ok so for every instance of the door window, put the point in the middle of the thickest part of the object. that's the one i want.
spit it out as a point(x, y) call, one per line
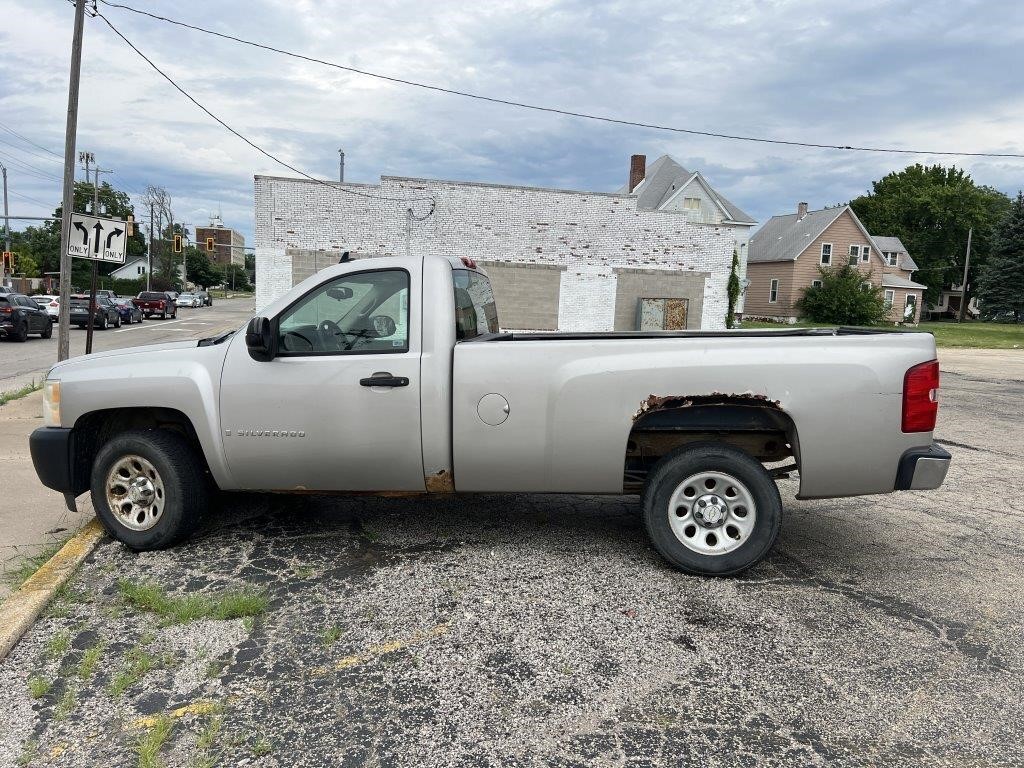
point(361, 313)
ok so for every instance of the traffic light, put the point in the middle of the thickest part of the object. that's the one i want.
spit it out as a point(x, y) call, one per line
point(177, 243)
point(8, 261)
point(209, 245)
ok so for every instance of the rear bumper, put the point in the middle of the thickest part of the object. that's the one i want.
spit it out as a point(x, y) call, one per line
point(922, 469)
point(52, 450)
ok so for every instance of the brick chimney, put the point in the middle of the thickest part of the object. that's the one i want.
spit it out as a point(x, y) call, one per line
point(637, 170)
point(801, 210)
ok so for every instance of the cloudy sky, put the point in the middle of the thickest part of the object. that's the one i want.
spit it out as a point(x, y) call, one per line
point(930, 76)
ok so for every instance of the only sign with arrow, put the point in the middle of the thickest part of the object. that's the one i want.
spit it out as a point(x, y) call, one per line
point(97, 238)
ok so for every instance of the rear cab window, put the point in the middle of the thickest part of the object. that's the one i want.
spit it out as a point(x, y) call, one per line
point(475, 310)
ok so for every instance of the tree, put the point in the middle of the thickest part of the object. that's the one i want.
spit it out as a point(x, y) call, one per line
point(930, 209)
point(236, 278)
point(733, 289)
point(843, 298)
point(26, 265)
point(1001, 282)
point(199, 270)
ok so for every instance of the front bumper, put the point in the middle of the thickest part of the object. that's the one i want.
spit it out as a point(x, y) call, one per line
point(53, 456)
point(922, 469)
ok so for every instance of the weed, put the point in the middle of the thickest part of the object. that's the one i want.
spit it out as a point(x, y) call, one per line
point(140, 662)
point(66, 704)
point(27, 566)
point(29, 750)
point(248, 623)
point(38, 686)
point(153, 740)
point(181, 610)
point(15, 394)
point(214, 668)
point(58, 645)
point(262, 747)
point(304, 571)
point(87, 666)
point(332, 635)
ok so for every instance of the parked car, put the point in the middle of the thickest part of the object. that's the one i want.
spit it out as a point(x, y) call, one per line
point(156, 304)
point(206, 297)
point(50, 303)
point(128, 311)
point(393, 376)
point(188, 300)
point(20, 316)
point(105, 311)
point(107, 294)
point(1004, 316)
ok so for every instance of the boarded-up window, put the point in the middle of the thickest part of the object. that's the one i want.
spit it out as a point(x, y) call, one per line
point(661, 314)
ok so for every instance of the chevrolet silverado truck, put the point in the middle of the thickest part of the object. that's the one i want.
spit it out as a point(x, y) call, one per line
point(391, 375)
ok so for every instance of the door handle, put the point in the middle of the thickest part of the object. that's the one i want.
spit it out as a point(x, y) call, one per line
point(384, 380)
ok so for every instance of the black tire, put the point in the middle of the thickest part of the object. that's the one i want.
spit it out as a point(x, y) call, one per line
point(180, 469)
point(47, 331)
point(673, 470)
point(117, 321)
point(21, 333)
point(163, 315)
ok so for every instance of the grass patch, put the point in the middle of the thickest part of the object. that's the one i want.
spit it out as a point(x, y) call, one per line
point(971, 335)
point(332, 635)
point(151, 742)
point(25, 567)
point(262, 747)
point(87, 666)
point(140, 662)
point(29, 750)
point(17, 394)
point(205, 756)
point(38, 686)
point(66, 705)
point(181, 610)
point(58, 645)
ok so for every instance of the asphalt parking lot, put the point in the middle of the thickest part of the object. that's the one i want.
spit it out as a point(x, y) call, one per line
point(531, 630)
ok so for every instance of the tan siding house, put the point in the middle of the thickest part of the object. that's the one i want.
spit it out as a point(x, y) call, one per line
point(787, 253)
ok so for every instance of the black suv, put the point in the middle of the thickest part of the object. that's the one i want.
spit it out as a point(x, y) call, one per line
point(20, 316)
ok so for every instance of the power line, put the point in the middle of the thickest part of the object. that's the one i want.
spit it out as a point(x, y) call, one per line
point(28, 152)
point(30, 199)
point(552, 110)
point(25, 138)
point(247, 140)
point(28, 168)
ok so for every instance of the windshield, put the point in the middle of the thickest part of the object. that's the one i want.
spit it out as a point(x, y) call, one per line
point(151, 296)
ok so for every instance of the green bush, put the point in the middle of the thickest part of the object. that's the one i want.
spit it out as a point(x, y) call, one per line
point(845, 297)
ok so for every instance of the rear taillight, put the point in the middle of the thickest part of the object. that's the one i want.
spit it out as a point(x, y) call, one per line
point(921, 397)
point(54, 304)
point(160, 305)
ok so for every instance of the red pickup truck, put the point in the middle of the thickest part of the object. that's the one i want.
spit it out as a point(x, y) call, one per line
point(156, 303)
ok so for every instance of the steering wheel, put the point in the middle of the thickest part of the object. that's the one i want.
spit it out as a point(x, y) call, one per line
point(331, 331)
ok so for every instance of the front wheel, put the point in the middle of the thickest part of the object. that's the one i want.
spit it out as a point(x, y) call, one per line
point(148, 488)
point(711, 510)
point(117, 322)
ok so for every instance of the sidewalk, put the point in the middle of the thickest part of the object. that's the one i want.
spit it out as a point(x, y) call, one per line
point(32, 517)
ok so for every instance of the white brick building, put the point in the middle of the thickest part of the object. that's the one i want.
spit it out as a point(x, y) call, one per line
point(559, 259)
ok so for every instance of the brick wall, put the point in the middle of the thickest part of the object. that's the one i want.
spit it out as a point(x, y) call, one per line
point(586, 234)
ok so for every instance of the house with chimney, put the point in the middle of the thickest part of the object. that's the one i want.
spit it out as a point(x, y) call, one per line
point(787, 254)
point(656, 254)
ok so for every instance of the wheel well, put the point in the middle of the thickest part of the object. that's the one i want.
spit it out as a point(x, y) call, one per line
point(751, 423)
point(93, 430)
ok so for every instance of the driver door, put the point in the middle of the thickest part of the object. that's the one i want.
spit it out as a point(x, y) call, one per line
point(338, 408)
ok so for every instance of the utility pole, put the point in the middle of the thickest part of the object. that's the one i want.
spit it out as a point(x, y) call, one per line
point(341, 164)
point(149, 259)
point(7, 224)
point(70, 134)
point(963, 288)
point(93, 306)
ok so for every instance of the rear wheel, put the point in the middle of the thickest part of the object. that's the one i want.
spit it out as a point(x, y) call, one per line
point(712, 510)
point(47, 330)
point(21, 332)
point(148, 488)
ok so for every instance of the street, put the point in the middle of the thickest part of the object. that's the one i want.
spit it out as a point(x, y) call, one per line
point(20, 364)
point(24, 535)
point(515, 630)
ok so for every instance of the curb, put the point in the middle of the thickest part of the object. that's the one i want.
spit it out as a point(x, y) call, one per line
point(23, 606)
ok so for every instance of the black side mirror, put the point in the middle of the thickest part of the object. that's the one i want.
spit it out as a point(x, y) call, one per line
point(261, 339)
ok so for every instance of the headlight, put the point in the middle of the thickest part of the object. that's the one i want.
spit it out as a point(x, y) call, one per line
point(51, 403)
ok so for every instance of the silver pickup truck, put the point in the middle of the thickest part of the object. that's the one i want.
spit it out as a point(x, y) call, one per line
point(392, 375)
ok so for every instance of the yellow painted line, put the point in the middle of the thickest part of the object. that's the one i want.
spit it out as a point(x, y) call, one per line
point(21, 608)
point(195, 708)
point(380, 650)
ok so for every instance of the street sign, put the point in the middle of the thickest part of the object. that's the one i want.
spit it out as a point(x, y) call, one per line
point(97, 238)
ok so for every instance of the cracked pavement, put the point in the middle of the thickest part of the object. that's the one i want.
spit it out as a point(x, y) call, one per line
point(509, 630)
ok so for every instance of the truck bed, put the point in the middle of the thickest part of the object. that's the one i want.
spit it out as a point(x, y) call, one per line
point(598, 335)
